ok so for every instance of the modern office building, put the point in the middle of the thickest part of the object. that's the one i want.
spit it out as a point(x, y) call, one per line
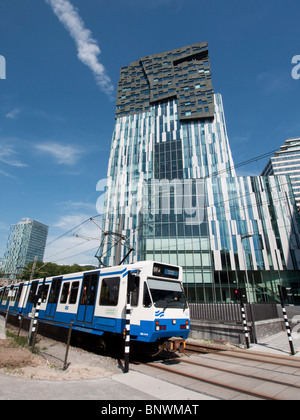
point(286, 161)
point(27, 239)
point(172, 191)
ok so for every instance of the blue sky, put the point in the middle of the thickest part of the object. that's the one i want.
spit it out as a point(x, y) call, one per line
point(57, 102)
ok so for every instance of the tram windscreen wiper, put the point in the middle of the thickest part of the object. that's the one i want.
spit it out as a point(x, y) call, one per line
point(167, 303)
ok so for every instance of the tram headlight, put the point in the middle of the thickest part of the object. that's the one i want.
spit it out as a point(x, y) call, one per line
point(159, 327)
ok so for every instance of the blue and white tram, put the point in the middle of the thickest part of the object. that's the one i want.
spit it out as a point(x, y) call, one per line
point(96, 302)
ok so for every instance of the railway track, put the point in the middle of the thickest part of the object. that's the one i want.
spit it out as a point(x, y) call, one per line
point(233, 374)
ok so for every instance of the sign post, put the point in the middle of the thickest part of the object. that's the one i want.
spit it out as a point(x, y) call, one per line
point(283, 293)
point(238, 295)
point(127, 333)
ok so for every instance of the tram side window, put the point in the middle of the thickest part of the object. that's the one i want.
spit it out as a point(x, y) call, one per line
point(89, 289)
point(74, 292)
point(109, 295)
point(5, 297)
point(55, 289)
point(147, 299)
point(43, 292)
point(135, 292)
point(14, 294)
point(32, 293)
point(2, 295)
point(11, 294)
point(65, 292)
point(19, 292)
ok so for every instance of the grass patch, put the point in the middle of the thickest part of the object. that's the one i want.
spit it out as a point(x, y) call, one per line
point(18, 342)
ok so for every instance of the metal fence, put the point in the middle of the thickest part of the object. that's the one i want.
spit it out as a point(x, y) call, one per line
point(231, 312)
point(262, 311)
point(18, 321)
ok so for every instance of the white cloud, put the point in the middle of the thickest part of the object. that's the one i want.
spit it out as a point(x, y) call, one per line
point(70, 221)
point(6, 174)
point(87, 47)
point(75, 205)
point(13, 114)
point(7, 154)
point(62, 154)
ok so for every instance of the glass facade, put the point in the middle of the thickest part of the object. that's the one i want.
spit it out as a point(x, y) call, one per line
point(27, 239)
point(172, 191)
point(286, 161)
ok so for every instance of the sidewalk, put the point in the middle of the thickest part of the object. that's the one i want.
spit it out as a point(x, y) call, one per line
point(133, 386)
point(2, 328)
point(278, 344)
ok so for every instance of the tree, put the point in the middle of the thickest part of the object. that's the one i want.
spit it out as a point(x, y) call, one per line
point(52, 270)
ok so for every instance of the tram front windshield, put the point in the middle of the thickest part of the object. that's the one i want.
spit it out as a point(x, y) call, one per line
point(167, 294)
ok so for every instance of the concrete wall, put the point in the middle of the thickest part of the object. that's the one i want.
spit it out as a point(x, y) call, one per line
point(231, 332)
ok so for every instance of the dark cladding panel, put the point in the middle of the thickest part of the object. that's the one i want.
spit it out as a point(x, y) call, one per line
point(183, 74)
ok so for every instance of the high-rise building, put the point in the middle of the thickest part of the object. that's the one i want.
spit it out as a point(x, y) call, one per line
point(172, 191)
point(27, 239)
point(286, 161)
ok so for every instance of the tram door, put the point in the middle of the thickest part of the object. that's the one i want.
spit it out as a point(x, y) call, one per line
point(31, 297)
point(87, 299)
point(53, 297)
point(18, 292)
point(5, 300)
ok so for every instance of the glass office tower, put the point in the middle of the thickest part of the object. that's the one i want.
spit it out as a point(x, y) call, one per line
point(172, 191)
point(27, 239)
point(286, 161)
